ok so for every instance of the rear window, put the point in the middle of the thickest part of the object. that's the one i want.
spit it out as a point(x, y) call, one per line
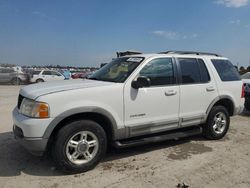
point(226, 70)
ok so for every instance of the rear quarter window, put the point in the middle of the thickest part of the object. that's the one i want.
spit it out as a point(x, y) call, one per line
point(226, 70)
point(36, 72)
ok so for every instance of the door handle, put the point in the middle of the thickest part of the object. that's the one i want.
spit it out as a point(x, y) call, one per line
point(210, 88)
point(170, 92)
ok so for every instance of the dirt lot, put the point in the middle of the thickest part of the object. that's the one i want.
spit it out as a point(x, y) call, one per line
point(194, 161)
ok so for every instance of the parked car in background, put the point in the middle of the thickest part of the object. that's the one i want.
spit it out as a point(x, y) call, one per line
point(10, 75)
point(246, 77)
point(76, 75)
point(247, 96)
point(66, 73)
point(246, 80)
point(46, 76)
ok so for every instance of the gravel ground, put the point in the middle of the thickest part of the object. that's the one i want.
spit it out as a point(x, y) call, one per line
point(194, 161)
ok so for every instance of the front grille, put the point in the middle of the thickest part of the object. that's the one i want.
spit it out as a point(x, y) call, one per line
point(19, 102)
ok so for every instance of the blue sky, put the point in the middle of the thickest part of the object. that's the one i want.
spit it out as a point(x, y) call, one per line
point(87, 33)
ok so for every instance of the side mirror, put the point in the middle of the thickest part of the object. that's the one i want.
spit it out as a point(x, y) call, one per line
point(141, 82)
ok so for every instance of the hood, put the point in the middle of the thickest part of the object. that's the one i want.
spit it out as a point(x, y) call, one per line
point(35, 90)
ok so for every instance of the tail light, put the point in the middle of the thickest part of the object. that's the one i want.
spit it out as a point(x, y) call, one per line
point(243, 91)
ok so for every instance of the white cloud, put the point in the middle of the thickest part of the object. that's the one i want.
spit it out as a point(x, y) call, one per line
point(40, 14)
point(233, 3)
point(194, 36)
point(237, 22)
point(172, 35)
point(166, 34)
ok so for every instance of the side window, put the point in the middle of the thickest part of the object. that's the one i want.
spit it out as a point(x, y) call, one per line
point(226, 70)
point(160, 71)
point(46, 72)
point(190, 71)
point(205, 77)
point(8, 70)
point(36, 72)
point(55, 73)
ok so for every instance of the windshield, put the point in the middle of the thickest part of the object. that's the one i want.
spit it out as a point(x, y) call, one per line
point(117, 70)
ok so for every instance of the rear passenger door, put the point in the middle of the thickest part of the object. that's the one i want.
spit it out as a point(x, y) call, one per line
point(197, 90)
point(46, 75)
point(57, 76)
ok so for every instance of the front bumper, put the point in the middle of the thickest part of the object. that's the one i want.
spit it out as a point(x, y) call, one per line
point(29, 132)
point(36, 146)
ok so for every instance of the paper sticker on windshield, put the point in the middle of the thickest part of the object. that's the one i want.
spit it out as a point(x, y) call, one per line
point(135, 59)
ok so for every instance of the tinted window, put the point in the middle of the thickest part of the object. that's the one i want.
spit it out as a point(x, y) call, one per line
point(46, 72)
point(226, 70)
point(55, 73)
point(203, 72)
point(190, 71)
point(160, 71)
point(7, 70)
point(36, 72)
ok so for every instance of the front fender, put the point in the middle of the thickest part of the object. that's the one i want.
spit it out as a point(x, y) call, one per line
point(79, 110)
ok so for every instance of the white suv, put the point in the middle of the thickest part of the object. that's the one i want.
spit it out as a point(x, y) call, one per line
point(132, 100)
point(46, 76)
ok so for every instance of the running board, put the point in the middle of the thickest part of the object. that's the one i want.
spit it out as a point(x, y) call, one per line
point(170, 135)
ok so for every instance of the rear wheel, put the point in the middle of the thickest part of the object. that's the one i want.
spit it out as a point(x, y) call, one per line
point(217, 123)
point(39, 80)
point(79, 146)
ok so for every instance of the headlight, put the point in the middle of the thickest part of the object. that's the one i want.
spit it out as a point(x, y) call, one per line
point(34, 109)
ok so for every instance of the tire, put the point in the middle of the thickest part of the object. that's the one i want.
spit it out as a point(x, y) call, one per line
point(65, 140)
point(16, 81)
point(39, 80)
point(247, 104)
point(216, 130)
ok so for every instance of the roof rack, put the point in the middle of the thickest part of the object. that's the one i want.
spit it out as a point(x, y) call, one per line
point(120, 54)
point(189, 52)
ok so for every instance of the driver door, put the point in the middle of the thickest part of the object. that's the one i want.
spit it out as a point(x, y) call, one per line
point(156, 108)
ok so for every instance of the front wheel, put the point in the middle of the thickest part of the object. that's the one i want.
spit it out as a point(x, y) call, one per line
point(217, 123)
point(39, 80)
point(79, 146)
point(16, 81)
